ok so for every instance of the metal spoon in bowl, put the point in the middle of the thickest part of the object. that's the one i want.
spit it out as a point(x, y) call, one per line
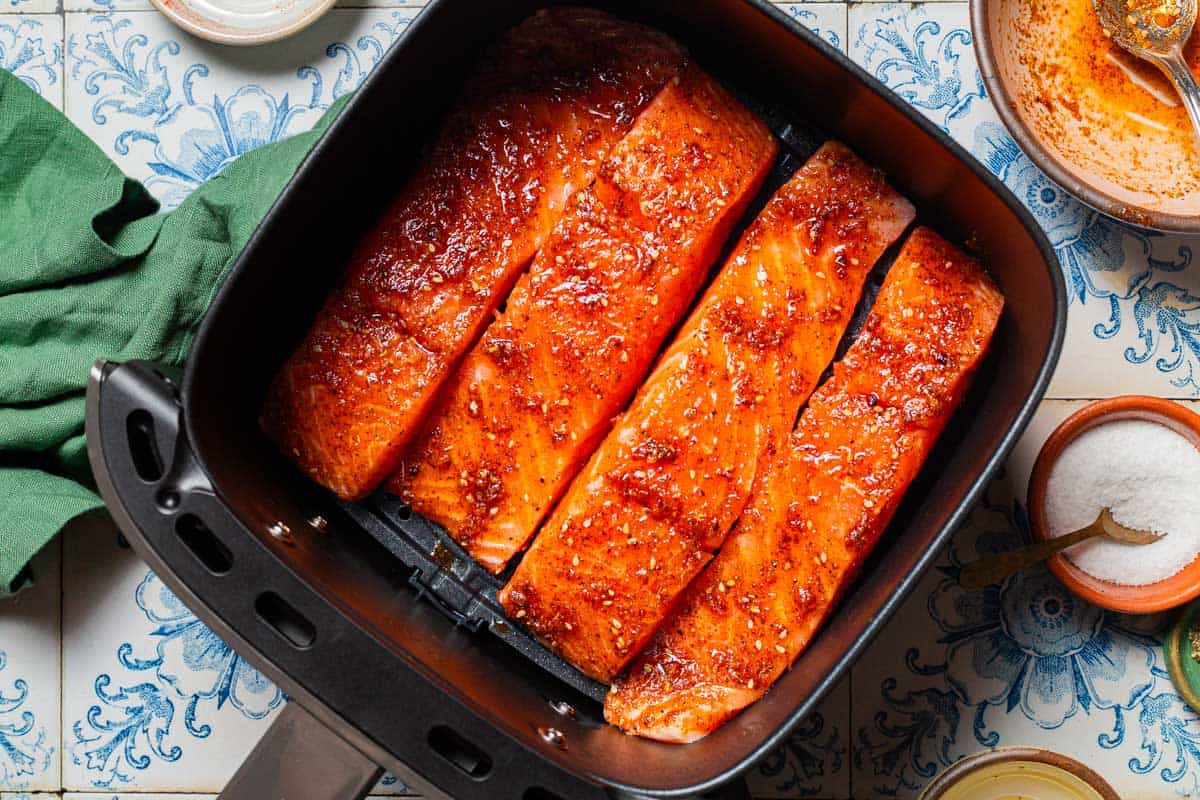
point(994, 569)
point(1156, 30)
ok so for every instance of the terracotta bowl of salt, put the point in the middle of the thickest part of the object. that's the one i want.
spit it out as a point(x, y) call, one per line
point(1144, 598)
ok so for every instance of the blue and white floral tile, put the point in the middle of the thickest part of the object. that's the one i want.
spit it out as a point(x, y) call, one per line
point(172, 110)
point(30, 670)
point(31, 47)
point(1022, 663)
point(29, 796)
point(412, 7)
point(152, 700)
point(827, 20)
point(28, 6)
point(390, 786)
point(814, 762)
point(1134, 314)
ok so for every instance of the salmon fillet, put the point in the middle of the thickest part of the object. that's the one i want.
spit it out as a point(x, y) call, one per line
point(534, 397)
point(823, 501)
point(542, 110)
point(666, 485)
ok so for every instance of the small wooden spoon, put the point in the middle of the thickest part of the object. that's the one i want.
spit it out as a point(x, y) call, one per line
point(994, 569)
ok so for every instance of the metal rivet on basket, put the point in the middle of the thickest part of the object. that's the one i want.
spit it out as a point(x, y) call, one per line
point(554, 736)
point(319, 522)
point(280, 531)
point(563, 707)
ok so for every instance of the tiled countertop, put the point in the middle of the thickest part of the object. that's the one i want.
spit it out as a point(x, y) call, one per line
point(111, 688)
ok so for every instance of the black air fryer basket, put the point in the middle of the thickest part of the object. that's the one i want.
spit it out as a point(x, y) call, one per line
point(386, 637)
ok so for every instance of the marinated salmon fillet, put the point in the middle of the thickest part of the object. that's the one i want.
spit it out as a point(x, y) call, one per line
point(665, 486)
point(533, 398)
point(822, 503)
point(541, 112)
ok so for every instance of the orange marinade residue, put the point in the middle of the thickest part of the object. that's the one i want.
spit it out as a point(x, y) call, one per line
point(1163, 13)
point(1112, 116)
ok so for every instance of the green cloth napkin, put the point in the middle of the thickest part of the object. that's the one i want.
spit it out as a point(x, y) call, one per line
point(88, 268)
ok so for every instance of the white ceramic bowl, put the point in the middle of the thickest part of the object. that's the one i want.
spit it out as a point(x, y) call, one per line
point(243, 22)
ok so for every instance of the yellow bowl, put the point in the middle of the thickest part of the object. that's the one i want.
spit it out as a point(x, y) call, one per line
point(1018, 773)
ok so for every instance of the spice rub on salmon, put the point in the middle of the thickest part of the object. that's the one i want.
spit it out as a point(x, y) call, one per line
point(822, 503)
point(534, 397)
point(665, 486)
point(541, 112)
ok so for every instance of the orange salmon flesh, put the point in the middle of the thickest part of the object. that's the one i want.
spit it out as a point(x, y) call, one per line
point(667, 484)
point(535, 396)
point(823, 501)
point(539, 115)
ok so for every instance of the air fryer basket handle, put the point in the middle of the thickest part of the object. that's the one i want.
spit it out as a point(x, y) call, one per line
point(300, 757)
point(151, 483)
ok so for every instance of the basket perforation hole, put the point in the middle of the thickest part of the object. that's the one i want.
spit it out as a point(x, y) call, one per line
point(450, 745)
point(286, 620)
point(204, 544)
point(143, 447)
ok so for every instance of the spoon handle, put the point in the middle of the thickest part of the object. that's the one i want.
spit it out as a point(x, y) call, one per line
point(994, 569)
point(1177, 70)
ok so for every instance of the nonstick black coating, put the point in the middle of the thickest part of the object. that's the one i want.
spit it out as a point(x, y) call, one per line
point(374, 642)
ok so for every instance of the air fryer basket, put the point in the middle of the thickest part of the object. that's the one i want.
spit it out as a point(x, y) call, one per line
point(386, 640)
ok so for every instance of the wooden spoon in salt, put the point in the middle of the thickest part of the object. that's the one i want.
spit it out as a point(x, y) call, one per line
point(994, 569)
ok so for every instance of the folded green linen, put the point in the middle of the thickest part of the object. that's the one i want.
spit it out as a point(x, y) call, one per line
point(89, 269)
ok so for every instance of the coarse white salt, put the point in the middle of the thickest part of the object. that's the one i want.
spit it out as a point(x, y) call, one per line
point(1150, 477)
